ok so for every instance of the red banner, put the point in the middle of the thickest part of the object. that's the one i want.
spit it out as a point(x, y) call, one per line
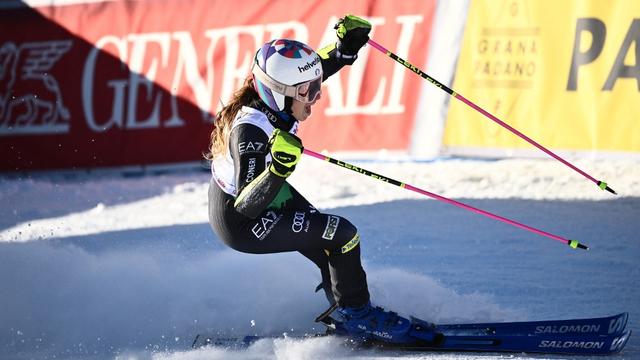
point(138, 82)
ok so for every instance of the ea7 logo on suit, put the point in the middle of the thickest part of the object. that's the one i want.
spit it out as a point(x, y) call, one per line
point(246, 147)
point(265, 224)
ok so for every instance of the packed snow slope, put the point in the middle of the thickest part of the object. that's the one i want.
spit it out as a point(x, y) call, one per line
point(123, 264)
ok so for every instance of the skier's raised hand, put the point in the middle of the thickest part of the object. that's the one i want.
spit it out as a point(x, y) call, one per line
point(353, 33)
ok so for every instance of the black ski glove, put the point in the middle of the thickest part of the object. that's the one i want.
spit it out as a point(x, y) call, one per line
point(353, 33)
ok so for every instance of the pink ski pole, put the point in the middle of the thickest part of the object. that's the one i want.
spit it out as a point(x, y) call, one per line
point(601, 184)
point(572, 243)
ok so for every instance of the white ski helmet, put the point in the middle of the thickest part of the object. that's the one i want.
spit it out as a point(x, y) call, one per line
point(286, 68)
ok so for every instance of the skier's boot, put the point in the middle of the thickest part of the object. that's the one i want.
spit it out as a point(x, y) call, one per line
point(374, 323)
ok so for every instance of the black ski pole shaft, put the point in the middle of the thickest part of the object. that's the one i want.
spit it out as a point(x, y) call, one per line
point(572, 243)
point(601, 184)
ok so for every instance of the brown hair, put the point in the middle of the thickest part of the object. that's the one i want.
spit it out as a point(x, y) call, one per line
point(220, 134)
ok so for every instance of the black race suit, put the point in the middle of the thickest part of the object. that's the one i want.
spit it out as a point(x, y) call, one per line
point(264, 214)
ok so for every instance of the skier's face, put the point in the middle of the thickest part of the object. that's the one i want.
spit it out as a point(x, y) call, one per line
point(300, 110)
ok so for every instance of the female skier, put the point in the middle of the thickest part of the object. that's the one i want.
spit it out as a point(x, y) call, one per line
point(252, 207)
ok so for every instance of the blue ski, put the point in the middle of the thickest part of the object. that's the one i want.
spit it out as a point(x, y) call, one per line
point(611, 325)
point(597, 336)
point(548, 344)
point(515, 337)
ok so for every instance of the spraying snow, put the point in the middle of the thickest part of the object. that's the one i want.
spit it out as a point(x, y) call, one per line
point(106, 265)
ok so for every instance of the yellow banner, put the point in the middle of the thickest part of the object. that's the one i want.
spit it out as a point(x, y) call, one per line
point(565, 73)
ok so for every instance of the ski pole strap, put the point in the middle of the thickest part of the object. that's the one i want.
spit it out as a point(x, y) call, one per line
point(574, 244)
point(487, 114)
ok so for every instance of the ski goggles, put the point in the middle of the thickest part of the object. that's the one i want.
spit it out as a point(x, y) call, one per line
point(306, 92)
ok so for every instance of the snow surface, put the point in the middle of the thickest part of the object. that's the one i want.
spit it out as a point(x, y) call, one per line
point(124, 265)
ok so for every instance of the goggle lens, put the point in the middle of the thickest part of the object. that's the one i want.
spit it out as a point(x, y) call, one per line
point(309, 91)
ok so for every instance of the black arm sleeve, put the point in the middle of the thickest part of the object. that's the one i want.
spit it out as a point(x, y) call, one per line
point(330, 62)
point(257, 186)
